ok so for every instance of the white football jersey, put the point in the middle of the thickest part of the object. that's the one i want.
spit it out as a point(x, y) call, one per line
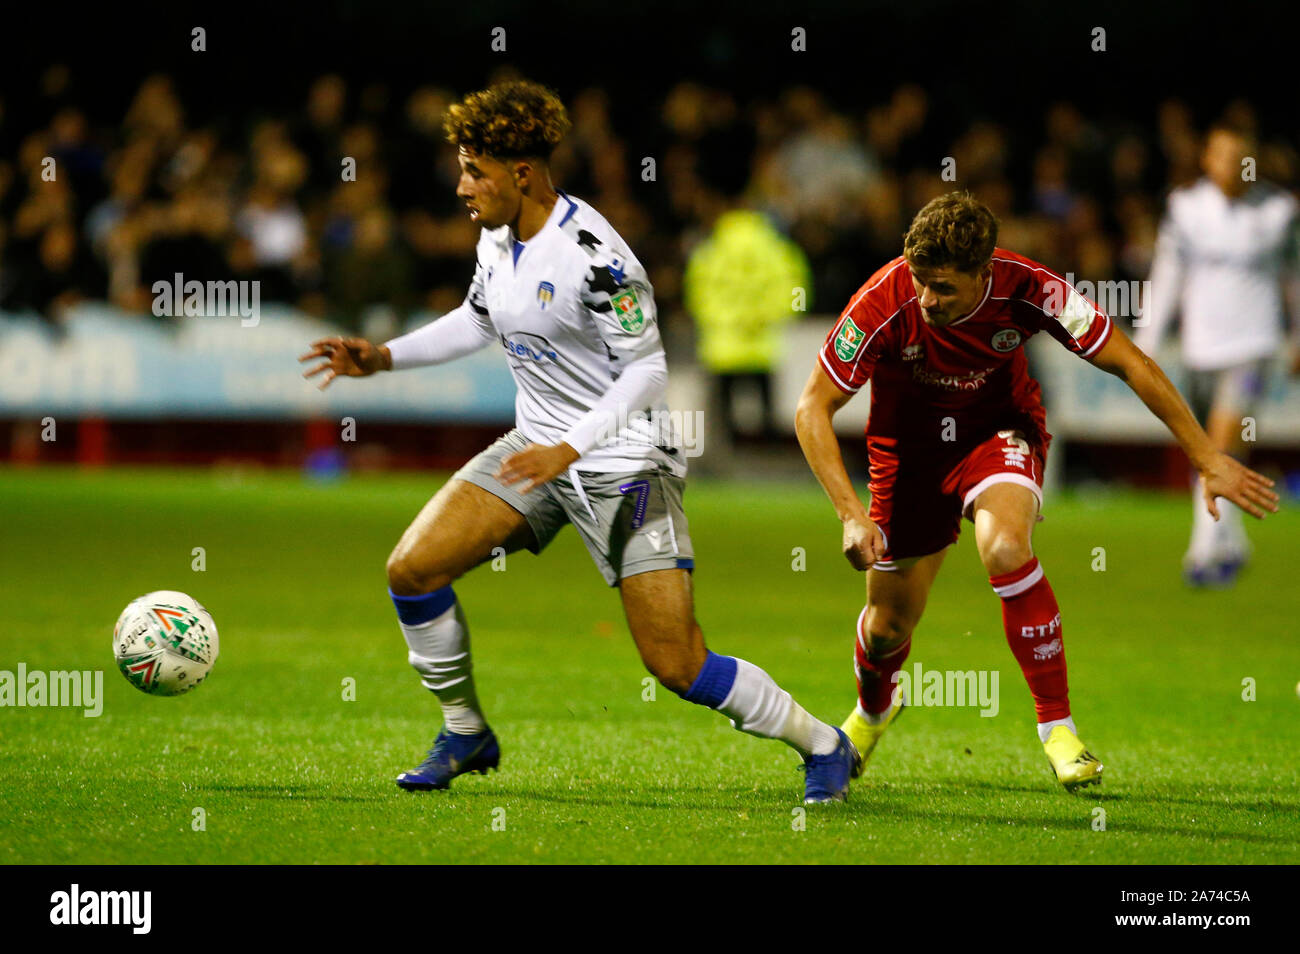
point(1221, 265)
point(571, 308)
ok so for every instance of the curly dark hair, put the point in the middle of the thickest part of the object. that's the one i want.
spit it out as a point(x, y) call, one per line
point(954, 229)
point(512, 120)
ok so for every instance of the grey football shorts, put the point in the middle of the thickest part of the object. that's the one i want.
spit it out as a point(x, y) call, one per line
point(631, 523)
point(1235, 389)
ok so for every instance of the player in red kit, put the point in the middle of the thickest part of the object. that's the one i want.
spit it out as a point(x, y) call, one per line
point(957, 429)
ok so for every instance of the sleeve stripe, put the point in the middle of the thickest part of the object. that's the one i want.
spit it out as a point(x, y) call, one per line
point(835, 378)
point(1105, 336)
point(821, 353)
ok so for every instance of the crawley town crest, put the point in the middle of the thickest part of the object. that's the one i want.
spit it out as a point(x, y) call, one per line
point(1008, 339)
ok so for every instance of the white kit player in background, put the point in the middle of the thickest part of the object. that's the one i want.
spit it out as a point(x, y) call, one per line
point(557, 289)
point(1227, 264)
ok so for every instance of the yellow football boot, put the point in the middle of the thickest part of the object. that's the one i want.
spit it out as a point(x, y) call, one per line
point(864, 735)
point(1074, 765)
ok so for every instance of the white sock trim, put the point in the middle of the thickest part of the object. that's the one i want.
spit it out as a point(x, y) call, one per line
point(1020, 586)
point(1045, 728)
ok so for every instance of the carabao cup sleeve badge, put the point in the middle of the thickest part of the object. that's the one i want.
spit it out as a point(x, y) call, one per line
point(628, 310)
point(848, 341)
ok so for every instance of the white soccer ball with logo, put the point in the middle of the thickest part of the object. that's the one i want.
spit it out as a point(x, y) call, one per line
point(165, 643)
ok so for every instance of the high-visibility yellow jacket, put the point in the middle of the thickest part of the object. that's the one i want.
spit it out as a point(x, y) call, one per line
point(741, 285)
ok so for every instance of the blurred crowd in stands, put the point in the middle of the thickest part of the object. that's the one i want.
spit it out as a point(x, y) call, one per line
point(147, 193)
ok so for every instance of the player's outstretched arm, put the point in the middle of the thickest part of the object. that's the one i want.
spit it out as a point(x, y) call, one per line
point(459, 332)
point(350, 357)
point(1221, 475)
point(863, 542)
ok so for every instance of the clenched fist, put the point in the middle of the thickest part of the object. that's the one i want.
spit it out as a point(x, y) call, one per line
point(864, 544)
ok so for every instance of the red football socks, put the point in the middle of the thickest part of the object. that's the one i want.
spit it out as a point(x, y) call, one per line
point(1033, 625)
point(875, 672)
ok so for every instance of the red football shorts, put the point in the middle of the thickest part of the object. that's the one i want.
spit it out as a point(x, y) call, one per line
point(920, 494)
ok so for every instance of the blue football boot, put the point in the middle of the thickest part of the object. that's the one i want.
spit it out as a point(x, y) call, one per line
point(1200, 577)
point(826, 777)
point(1213, 576)
point(1229, 568)
point(450, 756)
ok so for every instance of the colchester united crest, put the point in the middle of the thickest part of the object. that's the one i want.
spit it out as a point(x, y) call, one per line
point(545, 292)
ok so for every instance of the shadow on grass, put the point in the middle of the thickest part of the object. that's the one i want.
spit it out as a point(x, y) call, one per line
point(291, 793)
point(1243, 800)
point(899, 801)
point(888, 801)
point(672, 798)
point(696, 798)
point(906, 802)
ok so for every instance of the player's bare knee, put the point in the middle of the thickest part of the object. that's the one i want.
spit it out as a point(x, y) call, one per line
point(886, 631)
point(1005, 553)
point(673, 678)
point(676, 672)
point(406, 578)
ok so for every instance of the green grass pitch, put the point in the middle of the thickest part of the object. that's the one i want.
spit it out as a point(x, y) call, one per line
point(287, 771)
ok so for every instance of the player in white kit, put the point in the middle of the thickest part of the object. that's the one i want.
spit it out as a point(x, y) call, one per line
point(556, 288)
point(1227, 259)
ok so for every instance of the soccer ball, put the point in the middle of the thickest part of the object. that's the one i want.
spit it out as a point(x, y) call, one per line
point(165, 643)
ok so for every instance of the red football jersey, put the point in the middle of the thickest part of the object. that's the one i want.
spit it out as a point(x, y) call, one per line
point(974, 370)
